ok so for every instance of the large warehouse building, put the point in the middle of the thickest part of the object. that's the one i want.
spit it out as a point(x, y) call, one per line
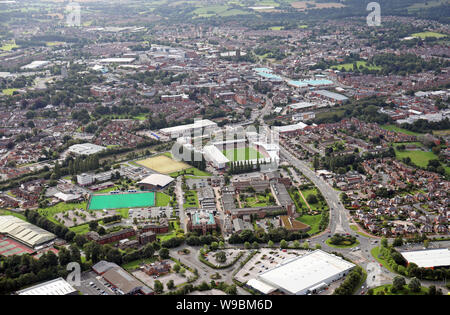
point(303, 275)
point(178, 131)
point(24, 232)
point(428, 258)
point(57, 286)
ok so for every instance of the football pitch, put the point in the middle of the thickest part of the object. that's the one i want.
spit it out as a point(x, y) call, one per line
point(100, 202)
point(242, 154)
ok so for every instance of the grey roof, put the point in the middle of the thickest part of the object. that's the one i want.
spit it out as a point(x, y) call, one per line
point(27, 233)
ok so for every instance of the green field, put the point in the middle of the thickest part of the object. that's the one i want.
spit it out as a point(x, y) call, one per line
point(8, 47)
point(242, 154)
point(191, 199)
point(122, 201)
point(424, 35)
point(313, 221)
point(9, 92)
point(401, 130)
point(349, 66)
point(60, 207)
point(162, 199)
point(419, 158)
point(190, 171)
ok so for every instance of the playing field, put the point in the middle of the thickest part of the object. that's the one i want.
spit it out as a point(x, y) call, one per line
point(163, 164)
point(122, 201)
point(242, 154)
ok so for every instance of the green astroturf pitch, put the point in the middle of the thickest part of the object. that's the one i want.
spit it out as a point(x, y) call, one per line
point(113, 201)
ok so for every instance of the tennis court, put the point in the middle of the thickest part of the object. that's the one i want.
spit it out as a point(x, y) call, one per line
point(117, 201)
point(9, 247)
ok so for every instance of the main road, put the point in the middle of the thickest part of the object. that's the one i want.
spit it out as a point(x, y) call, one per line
point(339, 218)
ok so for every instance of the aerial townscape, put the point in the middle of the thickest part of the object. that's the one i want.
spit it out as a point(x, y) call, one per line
point(224, 147)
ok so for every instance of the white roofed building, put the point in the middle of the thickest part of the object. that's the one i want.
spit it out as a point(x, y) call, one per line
point(428, 258)
point(57, 286)
point(303, 275)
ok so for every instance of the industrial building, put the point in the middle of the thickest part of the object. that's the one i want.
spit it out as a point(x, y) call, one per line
point(303, 275)
point(24, 232)
point(428, 258)
point(125, 283)
point(155, 182)
point(331, 96)
point(85, 149)
point(57, 286)
point(174, 132)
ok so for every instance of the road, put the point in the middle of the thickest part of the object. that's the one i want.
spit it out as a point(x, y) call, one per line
point(205, 272)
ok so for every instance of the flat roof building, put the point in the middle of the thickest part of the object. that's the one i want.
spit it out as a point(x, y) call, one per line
point(178, 131)
point(86, 149)
point(302, 275)
point(155, 181)
point(428, 258)
point(57, 286)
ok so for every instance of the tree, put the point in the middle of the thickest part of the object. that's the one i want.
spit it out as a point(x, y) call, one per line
point(164, 253)
point(247, 245)
point(414, 285)
point(158, 287)
point(398, 241)
point(170, 285)
point(283, 244)
point(270, 244)
point(398, 284)
point(432, 290)
point(384, 242)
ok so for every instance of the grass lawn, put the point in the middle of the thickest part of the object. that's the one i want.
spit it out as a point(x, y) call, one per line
point(401, 130)
point(60, 207)
point(349, 66)
point(313, 221)
point(17, 215)
point(123, 212)
point(404, 291)
point(9, 92)
point(9, 47)
point(80, 229)
point(419, 158)
point(242, 154)
point(258, 201)
point(424, 35)
point(133, 265)
point(314, 206)
point(191, 199)
point(377, 255)
point(191, 171)
point(355, 228)
point(162, 199)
